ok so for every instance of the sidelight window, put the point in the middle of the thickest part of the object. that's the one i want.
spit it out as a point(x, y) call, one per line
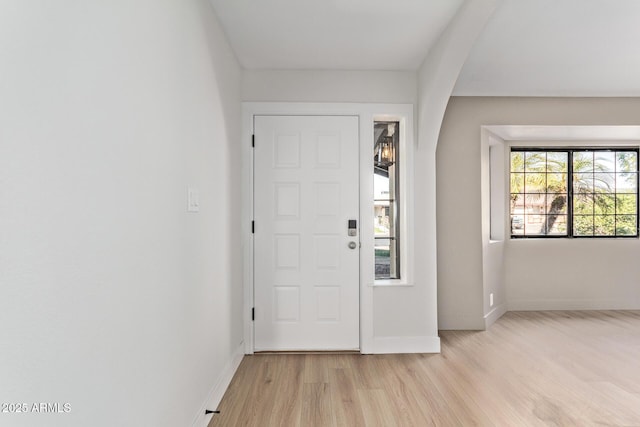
point(386, 186)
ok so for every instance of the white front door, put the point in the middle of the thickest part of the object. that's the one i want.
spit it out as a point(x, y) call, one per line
point(306, 189)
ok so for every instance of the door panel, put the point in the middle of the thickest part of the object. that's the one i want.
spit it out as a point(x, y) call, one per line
point(306, 189)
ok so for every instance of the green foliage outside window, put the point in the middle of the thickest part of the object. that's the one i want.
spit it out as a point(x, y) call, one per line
point(575, 193)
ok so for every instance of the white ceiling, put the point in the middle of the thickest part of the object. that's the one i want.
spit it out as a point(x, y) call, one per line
point(528, 48)
point(566, 133)
point(333, 34)
point(557, 48)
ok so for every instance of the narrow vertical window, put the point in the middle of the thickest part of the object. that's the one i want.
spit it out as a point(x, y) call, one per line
point(386, 204)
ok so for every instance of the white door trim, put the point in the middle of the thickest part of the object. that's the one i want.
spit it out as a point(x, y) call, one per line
point(367, 114)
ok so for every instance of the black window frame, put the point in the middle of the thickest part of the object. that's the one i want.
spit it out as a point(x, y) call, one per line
point(395, 232)
point(570, 208)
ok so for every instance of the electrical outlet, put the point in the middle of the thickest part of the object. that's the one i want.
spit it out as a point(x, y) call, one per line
point(193, 200)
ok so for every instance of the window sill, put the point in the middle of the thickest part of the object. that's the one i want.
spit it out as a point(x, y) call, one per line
point(391, 283)
point(581, 238)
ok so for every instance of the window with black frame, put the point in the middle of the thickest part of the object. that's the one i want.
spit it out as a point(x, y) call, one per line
point(386, 200)
point(577, 192)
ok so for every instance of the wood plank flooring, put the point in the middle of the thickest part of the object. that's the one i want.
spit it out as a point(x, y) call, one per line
point(560, 368)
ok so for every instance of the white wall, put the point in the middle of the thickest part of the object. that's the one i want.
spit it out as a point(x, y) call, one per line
point(329, 86)
point(573, 274)
point(579, 273)
point(436, 80)
point(114, 298)
point(494, 168)
point(459, 222)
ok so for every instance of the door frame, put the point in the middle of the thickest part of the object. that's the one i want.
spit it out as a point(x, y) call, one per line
point(367, 114)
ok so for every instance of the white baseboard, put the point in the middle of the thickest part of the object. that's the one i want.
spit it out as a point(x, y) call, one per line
point(219, 388)
point(491, 317)
point(582, 304)
point(392, 345)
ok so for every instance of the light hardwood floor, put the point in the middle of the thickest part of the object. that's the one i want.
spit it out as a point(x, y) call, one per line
point(529, 369)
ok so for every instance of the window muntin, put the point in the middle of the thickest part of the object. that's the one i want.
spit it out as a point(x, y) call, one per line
point(386, 204)
point(574, 192)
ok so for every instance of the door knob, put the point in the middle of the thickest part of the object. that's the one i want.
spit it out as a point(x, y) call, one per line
point(353, 245)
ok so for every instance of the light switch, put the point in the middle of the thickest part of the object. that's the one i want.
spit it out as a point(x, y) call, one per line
point(193, 200)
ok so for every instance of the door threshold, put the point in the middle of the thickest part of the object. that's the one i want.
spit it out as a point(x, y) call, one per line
point(325, 352)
